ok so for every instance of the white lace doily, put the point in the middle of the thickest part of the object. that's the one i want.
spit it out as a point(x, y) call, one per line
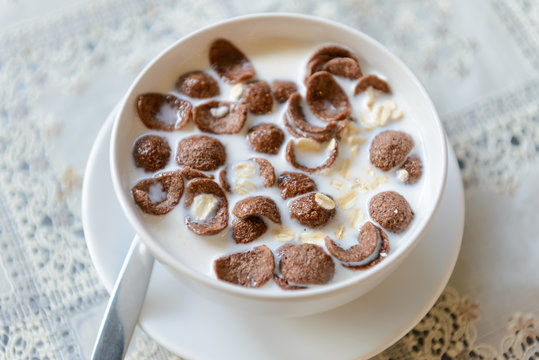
point(61, 72)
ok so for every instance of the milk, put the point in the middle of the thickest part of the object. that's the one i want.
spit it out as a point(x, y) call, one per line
point(283, 60)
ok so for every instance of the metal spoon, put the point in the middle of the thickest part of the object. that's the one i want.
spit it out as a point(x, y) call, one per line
point(125, 303)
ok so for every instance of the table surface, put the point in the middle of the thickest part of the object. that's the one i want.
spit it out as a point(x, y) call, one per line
point(65, 64)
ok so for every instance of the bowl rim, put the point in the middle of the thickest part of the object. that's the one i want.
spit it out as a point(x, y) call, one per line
point(167, 259)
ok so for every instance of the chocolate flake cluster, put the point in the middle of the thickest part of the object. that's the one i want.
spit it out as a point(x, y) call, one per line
point(292, 266)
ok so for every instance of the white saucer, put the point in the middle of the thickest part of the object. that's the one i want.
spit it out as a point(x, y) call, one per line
point(196, 328)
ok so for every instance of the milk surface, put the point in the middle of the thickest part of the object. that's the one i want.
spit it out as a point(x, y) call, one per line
point(282, 60)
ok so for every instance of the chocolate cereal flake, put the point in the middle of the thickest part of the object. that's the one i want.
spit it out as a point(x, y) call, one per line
point(223, 181)
point(285, 285)
point(251, 268)
point(297, 117)
point(282, 89)
point(322, 137)
point(220, 117)
point(291, 158)
point(374, 81)
point(266, 138)
point(293, 184)
point(191, 174)
point(391, 210)
point(345, 67)
point(217, 222)
point(324, 55)
point(389, 149)
point(306, 264)
point(257, 205)
point(257, 97)
point(151, 152)
point(414, 167)
point(163, 112)
point(197, 84)
point(201, 152)
point(267, 172)
point(248, 229)
point(384, 251)
point(229, 62)
point(326, 99)
point(160, 194)
point(309, 212)
point(370, 245)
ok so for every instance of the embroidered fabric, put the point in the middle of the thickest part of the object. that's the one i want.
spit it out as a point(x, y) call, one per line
point(62, 73)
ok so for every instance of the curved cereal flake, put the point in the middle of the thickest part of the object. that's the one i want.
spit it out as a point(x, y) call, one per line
point(293, 184)
point(229, 62)
point(391, 210)
point(345, 67)
point(370, 244)
point(306, 264)
point(389, 149)
point(151, 152)
point(257, 97)
point(326, 99)
point(323, 137)
point(308, 212)
point(224, 181)
point(325, 54)
point(197, 84)
point(163, 112)
point(374, 81)
point(251, 268)
point(190, 174)
point(248, 229)
point(217, 222)
point(282, 89)
point(267, 172)
point(160, 194)
point(285, 285)
point(414, 167)
point(220, 117)
point(257, 205)
point(297, 117)
point(291, 158)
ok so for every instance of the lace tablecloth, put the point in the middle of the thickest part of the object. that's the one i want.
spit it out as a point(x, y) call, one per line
point(65, 64)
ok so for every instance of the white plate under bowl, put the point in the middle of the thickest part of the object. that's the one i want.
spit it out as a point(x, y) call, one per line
point(196, 328)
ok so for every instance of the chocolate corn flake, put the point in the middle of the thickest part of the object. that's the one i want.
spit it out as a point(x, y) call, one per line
point(326, 99)
point(308, 211)
point(219, 221)
point(251, 268)
point(151, 152)
point(190, 174)
point(382, 254)
point(266, 138)
point(374, 81)
point(160, 194)
point(297, 117)
point(267, 172)
point(163, 112)
point(368, 247)
point(390, 148)
point(391, 210)
point(285, 285)
point(257, 96)
point(322, 137)
point(282, 89)
point(257, 205)
point(220, 117)
point(248, 229)
point(306, 264)
point(293, 184)
point(324, 55)
point(229, 62)
point(198, 84)
point(414, 167)
point(291, 158)
point(201, 152)
point(223, 181)
point(345, 67)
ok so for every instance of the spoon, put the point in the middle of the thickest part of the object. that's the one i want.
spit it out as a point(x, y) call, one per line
point(125, 303)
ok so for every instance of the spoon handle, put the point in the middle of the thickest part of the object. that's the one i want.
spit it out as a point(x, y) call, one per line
point(125, 303)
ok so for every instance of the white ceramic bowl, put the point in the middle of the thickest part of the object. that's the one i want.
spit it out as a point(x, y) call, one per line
point(167, 67)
